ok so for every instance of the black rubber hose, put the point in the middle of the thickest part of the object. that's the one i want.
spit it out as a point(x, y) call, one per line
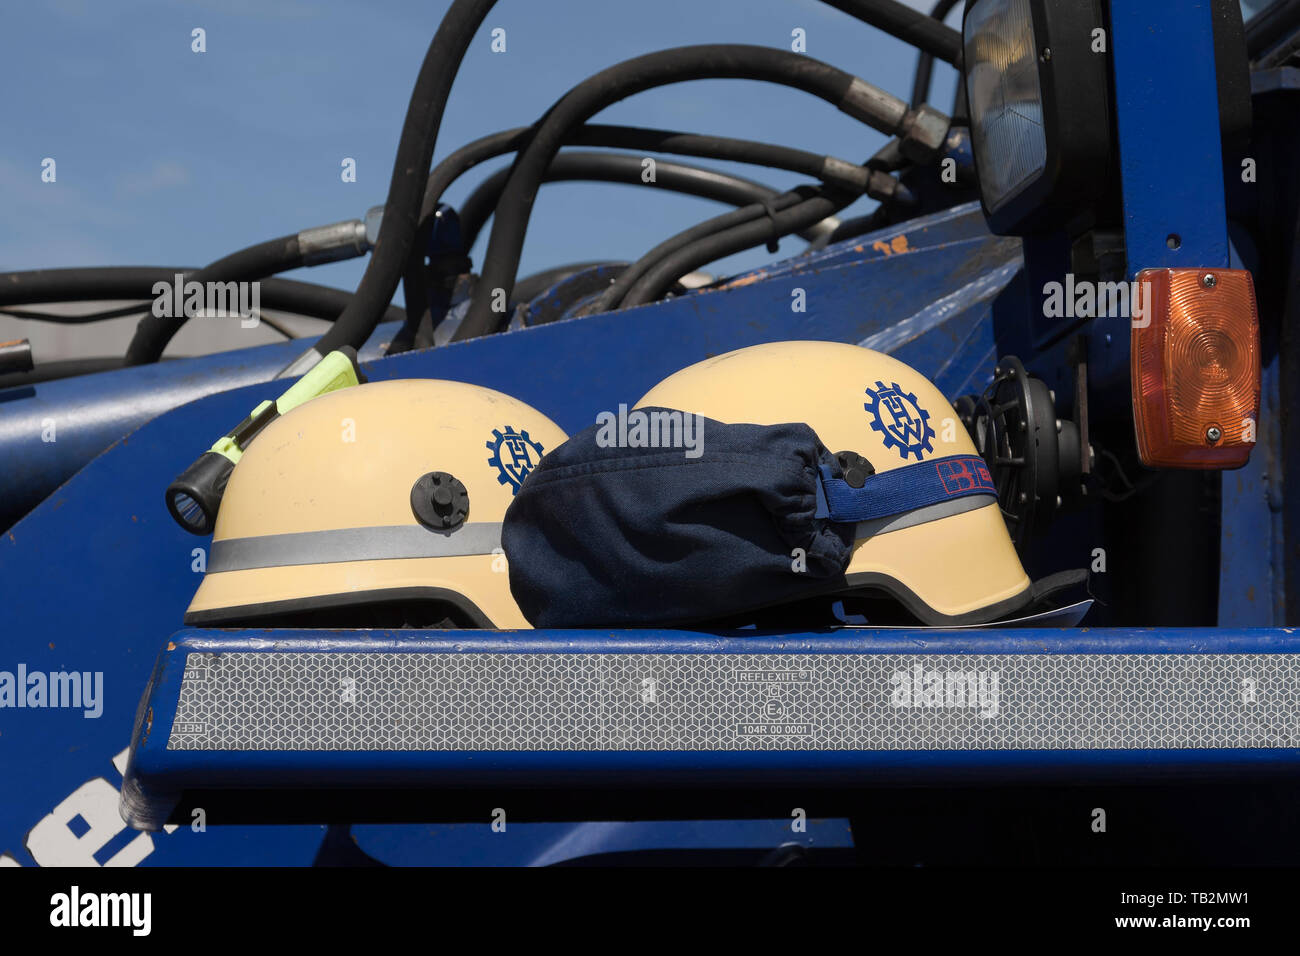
point(615, 168)
point(664, 274)
point(50, 371)
point(711, 61)
point(826, 168)
point(925, 61)
point(910, 26)
point(392, 251)
point(392, 247)
point(613, 296)
point(80, 284)
point(247, 265)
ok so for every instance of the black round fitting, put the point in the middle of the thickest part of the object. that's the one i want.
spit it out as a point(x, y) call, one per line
point(855, 468)
point(439, 501)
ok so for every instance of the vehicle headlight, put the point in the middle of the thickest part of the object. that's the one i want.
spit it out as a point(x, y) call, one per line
point(1039, 113)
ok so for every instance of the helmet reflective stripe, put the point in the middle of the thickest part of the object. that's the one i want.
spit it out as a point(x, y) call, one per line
point(353, 544)
point(910, 519)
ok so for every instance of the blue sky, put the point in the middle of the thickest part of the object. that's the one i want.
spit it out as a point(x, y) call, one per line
point(169, 157)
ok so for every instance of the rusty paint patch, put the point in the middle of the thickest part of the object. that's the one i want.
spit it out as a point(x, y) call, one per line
point(897, 245)
point(171, 645)
point(744, 281)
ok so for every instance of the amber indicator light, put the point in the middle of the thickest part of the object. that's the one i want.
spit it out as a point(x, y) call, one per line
point(1195, 367)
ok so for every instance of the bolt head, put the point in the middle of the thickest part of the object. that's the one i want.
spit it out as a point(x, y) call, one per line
point(1209, 280)
point(1213, 434)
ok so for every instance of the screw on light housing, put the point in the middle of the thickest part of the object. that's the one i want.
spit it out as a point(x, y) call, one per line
point(1213, 434)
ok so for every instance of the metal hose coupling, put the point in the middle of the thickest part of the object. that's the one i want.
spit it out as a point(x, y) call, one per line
point(339, 240)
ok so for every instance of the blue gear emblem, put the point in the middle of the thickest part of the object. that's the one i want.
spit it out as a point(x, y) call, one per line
point(514, 455)
point(901, 421)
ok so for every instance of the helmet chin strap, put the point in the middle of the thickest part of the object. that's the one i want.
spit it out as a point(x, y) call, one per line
point(940, 485)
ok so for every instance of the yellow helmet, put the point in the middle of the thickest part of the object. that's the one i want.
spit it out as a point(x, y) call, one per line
point(378, 505)
point(950, 563)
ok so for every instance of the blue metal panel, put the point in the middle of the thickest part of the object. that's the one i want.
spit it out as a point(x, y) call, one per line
point(1252, 575)
point(1171, 166)
point(1166, 99)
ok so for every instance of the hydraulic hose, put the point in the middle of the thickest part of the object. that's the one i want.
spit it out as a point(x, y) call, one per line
point(828, 169)
point(911, 26)
point(615, 168)
point(712, 61)
point(309, 247)
point(392, 247)
point(423, 120)
point(663, 274)
point(80, 284)
point(881, 186)
point(925, 61)
point(264, 259)
point(611, 297)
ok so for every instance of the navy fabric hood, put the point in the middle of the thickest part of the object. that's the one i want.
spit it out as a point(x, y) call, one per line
point(602, 536)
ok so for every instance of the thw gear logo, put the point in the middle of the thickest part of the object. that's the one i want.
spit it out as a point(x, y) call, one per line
point(902, 423)
point(514, 455)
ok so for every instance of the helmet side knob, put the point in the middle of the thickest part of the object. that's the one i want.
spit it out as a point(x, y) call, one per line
point(855, 468)
point(439, 501)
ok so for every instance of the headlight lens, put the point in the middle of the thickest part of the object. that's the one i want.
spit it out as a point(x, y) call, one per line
point(1005, 97)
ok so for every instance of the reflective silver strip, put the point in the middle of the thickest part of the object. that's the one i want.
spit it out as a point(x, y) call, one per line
point(564, 702)
point(909, 519)
point(353, 544)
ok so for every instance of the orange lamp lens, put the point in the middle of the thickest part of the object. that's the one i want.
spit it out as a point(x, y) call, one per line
point(1195, 367)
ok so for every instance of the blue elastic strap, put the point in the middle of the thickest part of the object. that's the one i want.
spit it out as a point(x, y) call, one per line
point(903, 489)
